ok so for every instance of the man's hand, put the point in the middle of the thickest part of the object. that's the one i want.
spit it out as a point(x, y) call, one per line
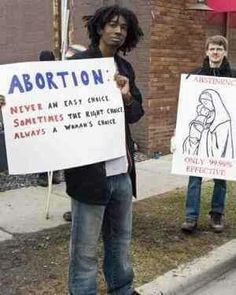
point(123, 84)
point(2, 101)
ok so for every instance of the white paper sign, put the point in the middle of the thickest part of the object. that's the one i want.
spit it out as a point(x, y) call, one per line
point(61, 114)
point(206, 127)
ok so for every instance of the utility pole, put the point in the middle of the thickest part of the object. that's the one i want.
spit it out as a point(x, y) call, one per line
point(57, 28)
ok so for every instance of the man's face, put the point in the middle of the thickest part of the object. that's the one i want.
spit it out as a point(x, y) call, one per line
point(114, 33)
point(216, 54)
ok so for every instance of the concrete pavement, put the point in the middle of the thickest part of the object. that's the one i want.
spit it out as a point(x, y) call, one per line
point(23, 210)
point(191, 276)
point(154, 177)
point(225, 284)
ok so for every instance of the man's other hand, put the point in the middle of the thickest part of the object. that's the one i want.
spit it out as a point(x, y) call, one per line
point(123, 84)
point(2, 101)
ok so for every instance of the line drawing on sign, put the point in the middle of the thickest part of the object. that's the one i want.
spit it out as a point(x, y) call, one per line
point(210, 132)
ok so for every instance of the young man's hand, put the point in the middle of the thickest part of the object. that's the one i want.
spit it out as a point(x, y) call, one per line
point(123, 84)
point(2, 101)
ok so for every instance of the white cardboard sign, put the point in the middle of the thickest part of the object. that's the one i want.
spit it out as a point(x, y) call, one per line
point(206, 127)
point(61, 114)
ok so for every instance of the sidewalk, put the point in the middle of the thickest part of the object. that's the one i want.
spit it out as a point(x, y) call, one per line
point(23, 210)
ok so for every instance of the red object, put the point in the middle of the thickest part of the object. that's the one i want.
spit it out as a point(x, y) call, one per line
point(215, 18)
point(222, 5)
point(218, 19)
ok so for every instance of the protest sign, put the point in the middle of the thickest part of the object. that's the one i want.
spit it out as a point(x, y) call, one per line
point(206, 127)
point(61, 114)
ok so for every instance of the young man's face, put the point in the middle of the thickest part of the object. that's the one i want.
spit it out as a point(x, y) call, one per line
point(216, 53)
point(114, 33)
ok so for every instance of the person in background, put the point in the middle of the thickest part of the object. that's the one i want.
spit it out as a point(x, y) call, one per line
point(214, 64)
point(47, 55)
point(101, 193)
point(73, 49)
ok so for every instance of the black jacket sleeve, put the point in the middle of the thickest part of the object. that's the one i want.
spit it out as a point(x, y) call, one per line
point(134, 111)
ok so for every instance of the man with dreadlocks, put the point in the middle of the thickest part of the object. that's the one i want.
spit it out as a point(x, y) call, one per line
point(102, 192)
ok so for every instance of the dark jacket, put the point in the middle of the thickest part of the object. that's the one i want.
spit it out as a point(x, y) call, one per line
point(87, 183)
point(223, 71)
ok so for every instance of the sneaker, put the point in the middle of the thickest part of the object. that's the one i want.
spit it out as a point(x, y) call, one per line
point(67, 216)
point(189, 225)
point(217, 222)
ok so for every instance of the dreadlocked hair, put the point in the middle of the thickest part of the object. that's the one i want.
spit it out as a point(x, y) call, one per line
point(102, 16)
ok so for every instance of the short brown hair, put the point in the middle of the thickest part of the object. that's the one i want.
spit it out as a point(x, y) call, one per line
point(218, 40)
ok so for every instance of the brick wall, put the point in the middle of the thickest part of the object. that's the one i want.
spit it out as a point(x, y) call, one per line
point(78, 32)
point(177, 46)
point(140, 59)
point(25, 29)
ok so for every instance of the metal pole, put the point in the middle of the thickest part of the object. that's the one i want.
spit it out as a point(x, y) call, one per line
point(64, 27)
point(227, 23)
point(50, 174)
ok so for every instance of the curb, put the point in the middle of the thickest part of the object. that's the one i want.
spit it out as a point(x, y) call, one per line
point(191, 276)
point(5, 236)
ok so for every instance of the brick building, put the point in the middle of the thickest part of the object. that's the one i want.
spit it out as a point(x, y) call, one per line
point(173, 44)
point(26, 27)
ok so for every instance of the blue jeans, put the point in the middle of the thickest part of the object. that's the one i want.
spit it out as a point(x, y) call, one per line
point(115, 222)
point(193, 197)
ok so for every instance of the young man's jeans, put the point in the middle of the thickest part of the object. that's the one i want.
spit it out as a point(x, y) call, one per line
point(115, 222)
point(194, 194)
